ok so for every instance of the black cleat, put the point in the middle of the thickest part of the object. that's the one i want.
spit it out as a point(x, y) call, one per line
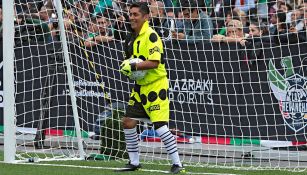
point(130, 167)
point(176, 169)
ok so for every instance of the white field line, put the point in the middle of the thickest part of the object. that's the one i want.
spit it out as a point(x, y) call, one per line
point(109, 168)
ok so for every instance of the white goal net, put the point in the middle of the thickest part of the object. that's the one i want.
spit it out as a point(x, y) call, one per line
point(238, 89)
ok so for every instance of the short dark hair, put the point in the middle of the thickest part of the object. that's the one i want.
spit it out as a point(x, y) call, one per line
point(282, 16)
point(287, 5)
point(188, 4)
point(98, 15)
point(143, 6)
point(261, 26)
point(233, 14)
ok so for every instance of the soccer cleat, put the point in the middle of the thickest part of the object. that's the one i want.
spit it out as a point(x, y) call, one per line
point(176, 169)
point(130, 167)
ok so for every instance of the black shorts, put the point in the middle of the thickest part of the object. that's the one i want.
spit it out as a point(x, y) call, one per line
point(136, 110)
point(150, 102)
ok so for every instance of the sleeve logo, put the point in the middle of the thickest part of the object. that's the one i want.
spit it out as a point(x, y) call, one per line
point(153, 50)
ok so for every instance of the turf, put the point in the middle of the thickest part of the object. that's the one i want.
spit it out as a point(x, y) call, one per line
point(97, 168)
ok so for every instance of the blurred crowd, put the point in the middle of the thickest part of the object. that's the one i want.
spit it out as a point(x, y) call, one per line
point(93, 22)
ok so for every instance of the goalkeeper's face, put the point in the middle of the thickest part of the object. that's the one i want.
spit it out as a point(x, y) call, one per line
point(137, 19)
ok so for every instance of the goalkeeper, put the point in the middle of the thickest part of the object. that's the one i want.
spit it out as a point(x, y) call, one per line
point(149, 98)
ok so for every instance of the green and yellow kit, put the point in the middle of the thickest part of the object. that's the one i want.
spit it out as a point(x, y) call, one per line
point(149, 97)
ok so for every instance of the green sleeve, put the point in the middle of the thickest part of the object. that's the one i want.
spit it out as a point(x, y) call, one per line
point(222, 31)
point(262, 1)
point(44, 26)
point(101, 6)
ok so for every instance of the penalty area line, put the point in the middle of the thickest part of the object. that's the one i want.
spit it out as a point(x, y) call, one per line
point(110, 168)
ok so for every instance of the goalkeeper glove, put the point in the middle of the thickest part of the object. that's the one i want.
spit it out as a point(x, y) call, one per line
point(126, 67)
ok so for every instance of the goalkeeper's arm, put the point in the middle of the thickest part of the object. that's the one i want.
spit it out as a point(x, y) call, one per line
point(127, 67)
point(149, 64)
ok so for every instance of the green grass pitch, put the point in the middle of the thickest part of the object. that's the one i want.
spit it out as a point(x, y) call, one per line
point(107, 167)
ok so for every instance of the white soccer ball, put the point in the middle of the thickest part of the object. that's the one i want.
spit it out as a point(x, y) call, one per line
point(139, 74)
point(191, 140)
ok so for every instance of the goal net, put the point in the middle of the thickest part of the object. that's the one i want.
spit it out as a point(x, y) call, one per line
point(237, 97)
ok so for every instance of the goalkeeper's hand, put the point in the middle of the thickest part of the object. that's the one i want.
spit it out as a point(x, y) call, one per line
point(126, 67)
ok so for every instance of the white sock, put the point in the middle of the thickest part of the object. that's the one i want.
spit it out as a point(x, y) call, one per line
point(170, 144)
point(132, 146)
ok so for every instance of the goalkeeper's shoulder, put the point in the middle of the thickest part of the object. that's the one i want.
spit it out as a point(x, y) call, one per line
point(153, 35)
point(154, 42)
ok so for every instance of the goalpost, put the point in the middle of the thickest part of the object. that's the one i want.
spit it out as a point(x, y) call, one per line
point(8, 95)
point(231, 105)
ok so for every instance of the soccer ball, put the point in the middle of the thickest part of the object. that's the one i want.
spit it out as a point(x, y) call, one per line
point(139, 74)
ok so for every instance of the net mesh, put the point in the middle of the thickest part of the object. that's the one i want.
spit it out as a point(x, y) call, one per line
point(237, 80)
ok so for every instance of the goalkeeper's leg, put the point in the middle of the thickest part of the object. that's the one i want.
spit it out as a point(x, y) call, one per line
point(134, 112)
point(131, 137)
point(170, 144)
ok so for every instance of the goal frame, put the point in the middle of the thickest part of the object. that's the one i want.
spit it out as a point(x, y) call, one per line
point(227, 146)
point(9, 80)
point(8, 83)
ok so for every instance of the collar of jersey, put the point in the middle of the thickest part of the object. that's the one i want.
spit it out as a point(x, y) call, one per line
point(144, 27)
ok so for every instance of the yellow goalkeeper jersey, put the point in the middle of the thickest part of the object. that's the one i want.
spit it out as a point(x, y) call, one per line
point(148, 46)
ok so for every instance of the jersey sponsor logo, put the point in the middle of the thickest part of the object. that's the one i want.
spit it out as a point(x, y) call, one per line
point(153, 50)
point(290, 90)
point(153, 108)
